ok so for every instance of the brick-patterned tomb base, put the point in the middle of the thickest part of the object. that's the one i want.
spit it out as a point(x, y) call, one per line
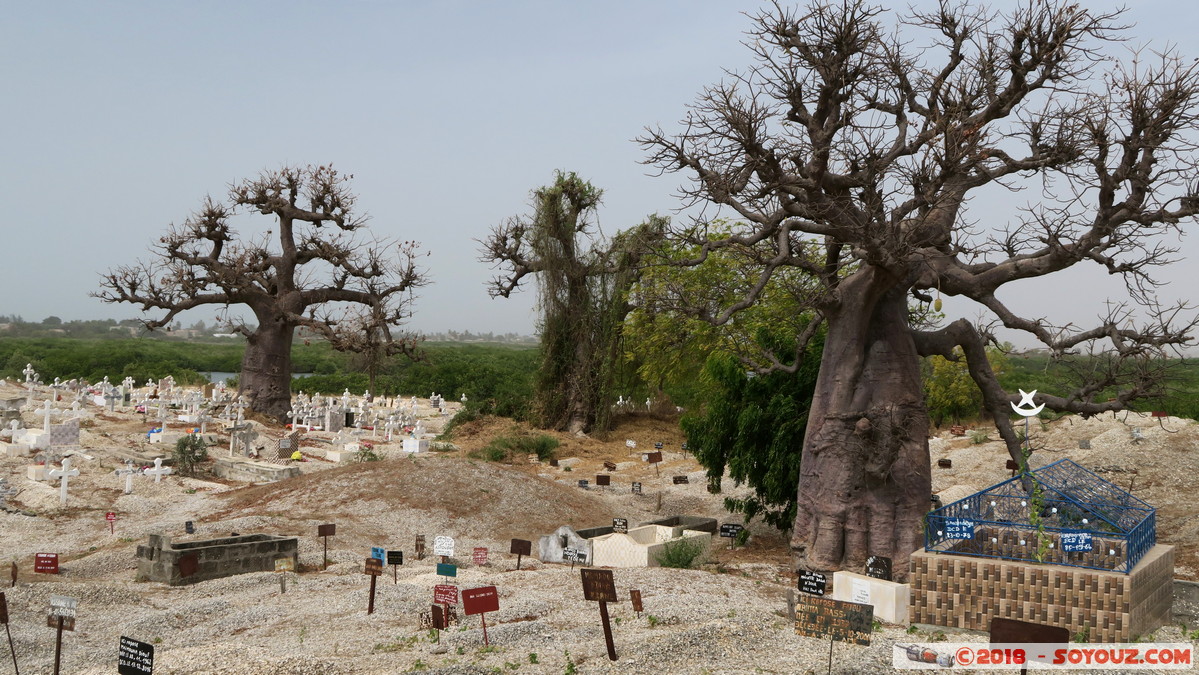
point(966, 592)
point(211, 558)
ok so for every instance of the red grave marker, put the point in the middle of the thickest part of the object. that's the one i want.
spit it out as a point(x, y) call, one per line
point(45, 563)
point(445, 594)
point(479, 555)
point(480, 600)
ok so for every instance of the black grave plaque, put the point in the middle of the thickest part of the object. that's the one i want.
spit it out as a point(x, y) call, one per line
point(814, 583)
point(134, 657)
point(879, 567)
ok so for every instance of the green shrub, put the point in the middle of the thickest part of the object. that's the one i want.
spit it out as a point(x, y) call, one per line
point(190, 450)
point(503, 448)
point(682, 554)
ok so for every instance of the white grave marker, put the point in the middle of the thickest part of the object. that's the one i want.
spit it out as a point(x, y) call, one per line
point(65, 473)
point(127, 472)
point(158, 471)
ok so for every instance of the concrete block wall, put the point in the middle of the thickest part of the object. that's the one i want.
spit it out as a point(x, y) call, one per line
point(215, 558)
point(967, 592)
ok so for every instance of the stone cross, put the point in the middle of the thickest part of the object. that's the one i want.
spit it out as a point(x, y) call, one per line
point(127, 472)
point(28, 372)
point(64, 473)
point(162, 416)
point(204, 418)
point(46, 423)
point(158, 471)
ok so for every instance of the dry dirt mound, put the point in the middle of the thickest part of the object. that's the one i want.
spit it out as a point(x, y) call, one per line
point(483, 500)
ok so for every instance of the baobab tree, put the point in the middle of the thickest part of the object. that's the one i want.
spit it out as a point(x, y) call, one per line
point(851, 151)
point(311, 270)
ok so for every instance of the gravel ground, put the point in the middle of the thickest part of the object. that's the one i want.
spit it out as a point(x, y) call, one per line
point(728, 617)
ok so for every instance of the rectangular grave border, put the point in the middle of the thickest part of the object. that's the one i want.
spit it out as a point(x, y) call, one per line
point(159, 559)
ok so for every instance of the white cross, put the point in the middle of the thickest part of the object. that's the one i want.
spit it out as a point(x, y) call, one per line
point(46, 424)
point(28, 372)
point(127, 472)
point(158, 471)
point(64, 473)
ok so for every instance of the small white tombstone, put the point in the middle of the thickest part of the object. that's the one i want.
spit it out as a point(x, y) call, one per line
point(29, 372)
point(127, 472)
point(158, 471)
point(65, 473)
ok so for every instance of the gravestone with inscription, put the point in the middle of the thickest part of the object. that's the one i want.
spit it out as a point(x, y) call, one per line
point(820, 617)
point(600, 586)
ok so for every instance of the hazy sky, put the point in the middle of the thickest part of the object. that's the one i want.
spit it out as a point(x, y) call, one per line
point(119, 117)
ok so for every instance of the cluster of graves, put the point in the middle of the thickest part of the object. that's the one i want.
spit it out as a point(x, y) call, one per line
point(1081, 557)
point(351, 423)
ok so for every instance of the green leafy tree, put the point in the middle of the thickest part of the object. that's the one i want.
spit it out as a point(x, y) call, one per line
point(949, 390)
point(747, 408)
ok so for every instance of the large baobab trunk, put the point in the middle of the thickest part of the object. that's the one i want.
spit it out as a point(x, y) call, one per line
point(266, 369)
point(864, 477)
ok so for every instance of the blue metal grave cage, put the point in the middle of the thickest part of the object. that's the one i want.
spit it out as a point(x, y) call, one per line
point(1085, 521)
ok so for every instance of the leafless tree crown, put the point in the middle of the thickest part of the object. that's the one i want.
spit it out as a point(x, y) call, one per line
point(312, 269)
point(847, 145)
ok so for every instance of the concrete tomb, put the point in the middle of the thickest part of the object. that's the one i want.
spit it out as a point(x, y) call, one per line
point(195, 561)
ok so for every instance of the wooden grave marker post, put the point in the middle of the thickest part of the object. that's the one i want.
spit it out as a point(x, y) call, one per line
point(835, 619)
point(654, 458)
point(444, 547)
point(373, 567)
point(62, 616)
point(444, 595)
point(395, 559)
point(599, 585)
point(111, 517)
point(480, 601)
point(479, 556)
point(447, 570)
point(521, 547)
point(14, 575)
point(4, 620)
point(134, 657)
point(635, 598)
point(325, 531)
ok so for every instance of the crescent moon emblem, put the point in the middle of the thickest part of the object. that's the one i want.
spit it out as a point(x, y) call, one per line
point(1026, 412)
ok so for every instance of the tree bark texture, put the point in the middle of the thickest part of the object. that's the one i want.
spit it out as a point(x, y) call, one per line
point(865, 479)
point(265, 377)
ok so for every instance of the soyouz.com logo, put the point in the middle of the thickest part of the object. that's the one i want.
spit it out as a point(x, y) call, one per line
point(1034, 656)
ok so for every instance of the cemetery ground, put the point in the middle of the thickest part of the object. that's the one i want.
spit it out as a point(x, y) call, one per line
point(726, 616)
